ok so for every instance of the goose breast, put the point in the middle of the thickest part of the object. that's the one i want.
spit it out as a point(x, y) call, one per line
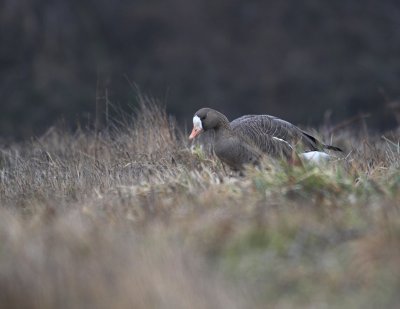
point(236, 152)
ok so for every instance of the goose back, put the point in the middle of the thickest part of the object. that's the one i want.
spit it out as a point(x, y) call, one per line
point(273, 135)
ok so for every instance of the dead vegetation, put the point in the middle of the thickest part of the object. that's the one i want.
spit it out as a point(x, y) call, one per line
point(132, 217)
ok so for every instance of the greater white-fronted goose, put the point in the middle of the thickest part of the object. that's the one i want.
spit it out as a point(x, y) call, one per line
point(246, 139)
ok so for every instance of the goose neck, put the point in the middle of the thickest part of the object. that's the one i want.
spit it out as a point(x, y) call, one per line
point(223, 132)
point(223, 123)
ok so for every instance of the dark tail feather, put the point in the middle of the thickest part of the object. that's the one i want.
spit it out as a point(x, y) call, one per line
point(312, 138)
point(330, 147)
point(318, 143)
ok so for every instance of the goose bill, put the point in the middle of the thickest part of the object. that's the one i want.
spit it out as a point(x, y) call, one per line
point(195, 132)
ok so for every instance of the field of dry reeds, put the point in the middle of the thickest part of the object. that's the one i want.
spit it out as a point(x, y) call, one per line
point(136, 217)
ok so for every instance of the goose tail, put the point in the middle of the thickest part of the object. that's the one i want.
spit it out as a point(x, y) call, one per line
point(319, 144)
point(334, 148)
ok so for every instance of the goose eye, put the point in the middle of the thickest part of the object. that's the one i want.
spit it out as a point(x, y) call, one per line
point(202, 118)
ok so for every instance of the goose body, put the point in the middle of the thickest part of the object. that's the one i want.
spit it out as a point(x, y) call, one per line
point(246, 139)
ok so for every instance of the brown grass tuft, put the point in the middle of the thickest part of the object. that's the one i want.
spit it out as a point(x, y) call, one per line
point(132, 217)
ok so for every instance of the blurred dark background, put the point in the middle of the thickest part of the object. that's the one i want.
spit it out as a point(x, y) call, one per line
point(305, 61)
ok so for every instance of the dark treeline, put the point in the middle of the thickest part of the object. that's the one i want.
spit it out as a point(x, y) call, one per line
point(299, 60)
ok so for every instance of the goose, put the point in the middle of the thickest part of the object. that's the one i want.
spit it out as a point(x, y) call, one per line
point(246, 139)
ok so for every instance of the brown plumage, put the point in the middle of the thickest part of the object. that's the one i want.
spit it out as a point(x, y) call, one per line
point(246, 139)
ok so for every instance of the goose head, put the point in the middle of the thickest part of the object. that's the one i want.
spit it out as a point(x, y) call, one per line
point(207, 119)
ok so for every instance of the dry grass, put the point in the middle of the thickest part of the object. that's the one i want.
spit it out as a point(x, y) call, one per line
point(132, 218)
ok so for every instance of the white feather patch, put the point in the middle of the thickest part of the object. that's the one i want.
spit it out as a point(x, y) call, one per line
point(315, 156)
point(197, 123)
point(282, 141)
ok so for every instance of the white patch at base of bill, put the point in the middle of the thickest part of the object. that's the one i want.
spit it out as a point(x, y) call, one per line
point(197, 123)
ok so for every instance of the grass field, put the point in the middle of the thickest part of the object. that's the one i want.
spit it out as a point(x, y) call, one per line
point(132, 217)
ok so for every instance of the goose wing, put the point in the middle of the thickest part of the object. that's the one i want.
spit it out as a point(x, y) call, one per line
point(273, 135)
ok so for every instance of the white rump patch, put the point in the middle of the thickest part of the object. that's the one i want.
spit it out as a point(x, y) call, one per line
point(315, 156)
point(197, 122)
